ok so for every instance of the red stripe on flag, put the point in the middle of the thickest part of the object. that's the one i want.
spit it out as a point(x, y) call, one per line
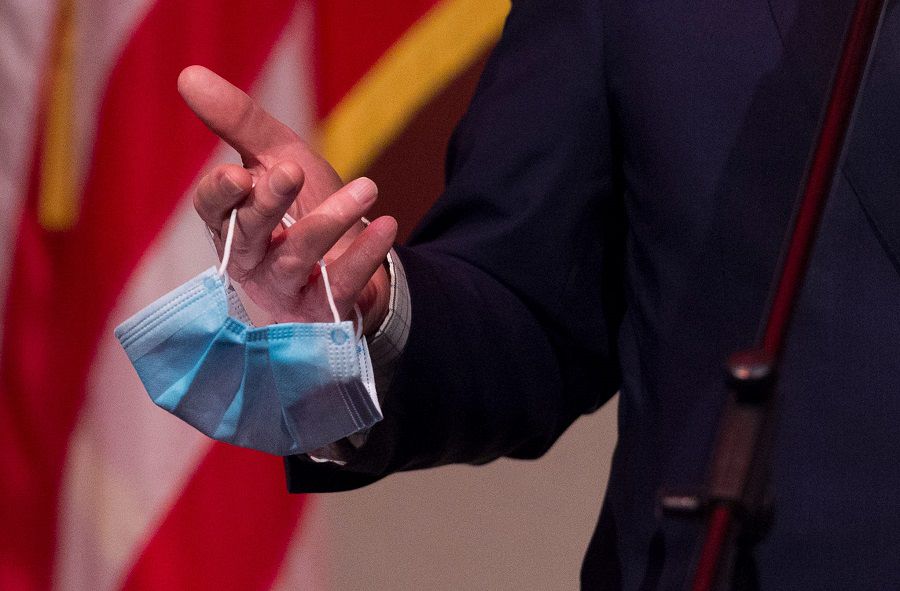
point(351, 36)
point(26, 481)
point(63, 285)
point(227, 531)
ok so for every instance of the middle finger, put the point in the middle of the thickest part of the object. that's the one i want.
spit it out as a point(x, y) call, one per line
point(307, 241)
point(261, 213)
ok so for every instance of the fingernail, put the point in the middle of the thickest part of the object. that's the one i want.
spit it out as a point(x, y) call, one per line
point(231, 186)
point(363, 190)
point(283, 180)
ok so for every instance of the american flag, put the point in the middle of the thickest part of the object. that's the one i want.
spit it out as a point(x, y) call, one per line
point(99, 489)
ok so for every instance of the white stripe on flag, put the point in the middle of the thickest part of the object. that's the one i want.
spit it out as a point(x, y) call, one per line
point(129, 460)
point(25, 27)
point(102, 27)
point(26, 35)
point(305, 566)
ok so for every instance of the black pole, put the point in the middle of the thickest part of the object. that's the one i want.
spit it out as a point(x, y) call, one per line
point(735, 502)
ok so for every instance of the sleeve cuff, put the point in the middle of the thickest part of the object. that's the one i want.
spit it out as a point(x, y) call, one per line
point(387, 344)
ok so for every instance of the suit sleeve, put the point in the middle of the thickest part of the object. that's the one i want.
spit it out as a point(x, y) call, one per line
point(515, 275)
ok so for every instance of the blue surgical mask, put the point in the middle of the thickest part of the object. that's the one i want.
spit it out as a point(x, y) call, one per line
point(283, 389)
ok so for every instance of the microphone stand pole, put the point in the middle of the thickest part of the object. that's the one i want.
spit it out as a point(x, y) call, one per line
point(736, 500)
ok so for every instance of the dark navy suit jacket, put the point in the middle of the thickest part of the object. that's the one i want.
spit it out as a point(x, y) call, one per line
point(616, 201)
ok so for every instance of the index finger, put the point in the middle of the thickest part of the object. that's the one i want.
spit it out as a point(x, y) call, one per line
point(231, 114)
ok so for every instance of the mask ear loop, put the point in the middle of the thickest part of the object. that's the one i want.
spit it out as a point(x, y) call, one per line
point(226, 250)
point(288, 221)
point(331, 304)
point(359, 322)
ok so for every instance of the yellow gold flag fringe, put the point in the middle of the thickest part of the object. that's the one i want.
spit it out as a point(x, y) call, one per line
point(449, 38)
point(57, 201)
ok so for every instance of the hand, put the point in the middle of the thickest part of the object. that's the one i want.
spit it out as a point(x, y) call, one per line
point(277, 267)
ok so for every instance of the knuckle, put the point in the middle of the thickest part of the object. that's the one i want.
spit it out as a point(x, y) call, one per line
point(342, 291)
point(207, 216)
point(202, 194)
point(303, 243)
point(293, 268)
point(368, 254)
point(199, 203)
point(369, 251)
point(211, 199)
point(339, 210)
point(264, 211)
point(239, 272)
point(242, 251)
point(342, 209)
point(247, 249)
point(246, 114)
